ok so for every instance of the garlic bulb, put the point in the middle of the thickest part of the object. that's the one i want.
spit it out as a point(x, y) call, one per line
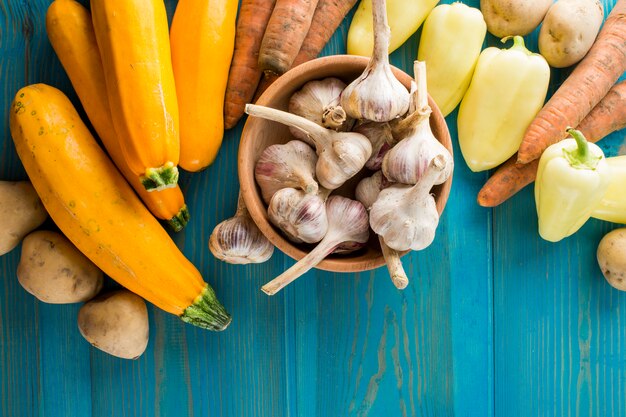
point(377, 94)
point(318, 101)
point(340, 154)
point(406, 216)
point(347, 229)
point(288, 165)
point(408, 160)
point(381, 139)
point(301, 216)
point(367, 192)
point(238, 240)
point(368, 189)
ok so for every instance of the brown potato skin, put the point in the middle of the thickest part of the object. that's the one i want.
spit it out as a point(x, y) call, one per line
point(513, 17)
point(568, 31)
point(52, 269)
point(612, 258)
point(116, 323)
point(21, 212)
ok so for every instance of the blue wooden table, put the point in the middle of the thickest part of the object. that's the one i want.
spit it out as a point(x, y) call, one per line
point(495, 321)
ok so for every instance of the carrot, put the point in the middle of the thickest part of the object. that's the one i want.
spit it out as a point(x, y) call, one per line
point(582, 90)
point(285, 32)
point(245, 74)
point(327, 17)
point(607, 117)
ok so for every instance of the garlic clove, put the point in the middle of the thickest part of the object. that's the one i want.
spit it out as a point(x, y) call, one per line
point(347, 228)
point(286, 165)
point(407, 161)
point(301, 216)
point(381, 139)
point(406, 216)
point(318, 101)
point(238, 240)
point(340, 154)
point(368, 189)
point(367, 192)
point(377, 95)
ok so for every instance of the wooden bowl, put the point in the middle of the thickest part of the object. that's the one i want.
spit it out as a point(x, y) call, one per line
point(258, 134)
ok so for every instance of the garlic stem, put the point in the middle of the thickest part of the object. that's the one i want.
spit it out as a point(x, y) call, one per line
point(394, 265)
point(334, 116)
point(382, 33)
point(317, 255)
point(421, 94)
point(313, 130)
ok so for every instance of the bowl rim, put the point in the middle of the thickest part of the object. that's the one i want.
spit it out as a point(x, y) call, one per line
point(249, 189)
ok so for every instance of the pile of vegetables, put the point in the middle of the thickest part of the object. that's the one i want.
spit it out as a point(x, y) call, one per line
point(373, 124)
point(159, 98)
point(502, 120)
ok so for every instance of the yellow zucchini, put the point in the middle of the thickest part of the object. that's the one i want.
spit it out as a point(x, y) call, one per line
point(96, 209)
point(71, 34)
point(133, 40)
point(201, 60)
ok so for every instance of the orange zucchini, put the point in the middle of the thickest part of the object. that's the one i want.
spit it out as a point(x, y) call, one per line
point(96, 209)
point(71, 34)
point(133, 40)
point(201, 60)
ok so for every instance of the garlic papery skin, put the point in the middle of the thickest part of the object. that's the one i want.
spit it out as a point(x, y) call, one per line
point(377, 95)
point(286, 165)
point(381, 139)
point(367, 192)
point(341, 155)
point(368, 189)
point(238, 240)
point(348, 228)
point(406, 216)
point(301, 217)
point(318, 101)
point(407, 161)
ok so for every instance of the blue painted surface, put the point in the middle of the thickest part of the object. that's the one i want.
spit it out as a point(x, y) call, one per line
point(494, 322)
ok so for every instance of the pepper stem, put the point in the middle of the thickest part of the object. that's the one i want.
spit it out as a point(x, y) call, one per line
point(581, 157)
point(518, 43)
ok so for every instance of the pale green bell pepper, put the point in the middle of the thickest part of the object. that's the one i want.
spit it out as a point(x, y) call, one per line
point(572, 178)
point(507, 91)
point(404, 16)
point(612, 207)
point(452, 38)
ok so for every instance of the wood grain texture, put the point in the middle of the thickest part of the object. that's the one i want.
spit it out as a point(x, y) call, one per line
point(494, 321)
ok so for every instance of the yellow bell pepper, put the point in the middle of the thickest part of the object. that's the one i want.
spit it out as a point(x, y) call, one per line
point(572, 178)
point(507, 91)
point(452, 38)
point(612, 207)
point(405, 17)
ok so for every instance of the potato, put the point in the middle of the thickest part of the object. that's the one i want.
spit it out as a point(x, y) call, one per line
point(513, 17)
point(116, 323)
point(612, 258)
point(21, 212)
point(54, 271)
point(568, 31)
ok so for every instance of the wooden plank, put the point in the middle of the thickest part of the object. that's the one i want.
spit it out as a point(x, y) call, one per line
point(365, 348)
point(559, 330)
